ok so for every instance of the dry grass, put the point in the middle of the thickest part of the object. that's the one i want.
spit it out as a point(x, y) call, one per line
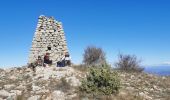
point(20, 97)
point(61, 84)
point(64, 85)
point(127, 96)
point(81, 68)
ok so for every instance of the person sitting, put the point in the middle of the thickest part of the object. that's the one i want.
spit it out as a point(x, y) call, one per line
point(67, 60)
point(39, 61)
point(32, 66)
point(47, 60)
point(60, 64)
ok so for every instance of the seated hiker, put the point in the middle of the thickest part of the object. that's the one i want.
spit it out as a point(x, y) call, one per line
point(67, 60)
point(62, 62)
point(32, 66)
point(59, 64)
point(39, 61)
point(47, 60)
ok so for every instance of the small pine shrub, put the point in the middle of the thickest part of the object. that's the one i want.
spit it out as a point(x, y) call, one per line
point(100, 80)
point(129, 63)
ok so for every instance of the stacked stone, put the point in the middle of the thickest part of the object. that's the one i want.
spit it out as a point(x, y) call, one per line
point(48, 38)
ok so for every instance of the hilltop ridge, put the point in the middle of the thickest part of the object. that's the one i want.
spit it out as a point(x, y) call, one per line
point(55, 83)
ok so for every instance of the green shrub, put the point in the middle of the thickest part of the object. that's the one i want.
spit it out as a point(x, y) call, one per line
point(100, 80)
point(129, 63)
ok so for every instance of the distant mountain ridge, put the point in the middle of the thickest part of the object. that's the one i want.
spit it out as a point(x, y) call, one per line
point(163, 70)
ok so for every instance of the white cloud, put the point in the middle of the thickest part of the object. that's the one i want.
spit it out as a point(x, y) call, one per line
point(167, 63)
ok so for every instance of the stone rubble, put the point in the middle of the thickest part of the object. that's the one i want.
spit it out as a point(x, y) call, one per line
point(61, 83)
point(43, 84)
point(58, 95)
point(4, 93)
point(145, 86)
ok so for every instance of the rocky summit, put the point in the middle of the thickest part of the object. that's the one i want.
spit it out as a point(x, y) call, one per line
point(61, 83)
point(50, 83)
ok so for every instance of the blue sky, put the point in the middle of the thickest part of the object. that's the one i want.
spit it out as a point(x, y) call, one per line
point(140, 27)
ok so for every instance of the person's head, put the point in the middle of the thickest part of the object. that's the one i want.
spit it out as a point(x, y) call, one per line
point(39, 57)
point(66, 54)
point(47, 54)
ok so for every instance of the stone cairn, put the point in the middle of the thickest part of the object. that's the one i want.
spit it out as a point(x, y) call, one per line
point(48, 38)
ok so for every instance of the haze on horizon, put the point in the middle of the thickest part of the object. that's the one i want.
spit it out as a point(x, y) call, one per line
point(127, 26)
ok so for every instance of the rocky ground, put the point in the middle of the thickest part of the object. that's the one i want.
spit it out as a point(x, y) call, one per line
point(43, 84)
point(144, 86)
point(54, 83)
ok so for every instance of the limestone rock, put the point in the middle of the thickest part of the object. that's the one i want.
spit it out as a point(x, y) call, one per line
point(9, 86)
point(36, 88)
point(146, 97)
point(17, 92)
point(4, 93)
point(73, 81)
point(42, 91)
point(58, 95)
point(13, 77)
point(49, 83)
point(21, 87)
point(36, 97)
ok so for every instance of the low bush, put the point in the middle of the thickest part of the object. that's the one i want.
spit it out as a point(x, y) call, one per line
point(94, 56)
point(129, 63)
point(101, 80)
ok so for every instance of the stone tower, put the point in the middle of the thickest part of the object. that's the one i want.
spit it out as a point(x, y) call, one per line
point(48, 38)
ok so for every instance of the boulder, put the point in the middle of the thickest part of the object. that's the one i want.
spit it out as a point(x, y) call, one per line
point(17, 92)
point(58, 95)
point(20, 87)
point(73, 81)
point(36, 97)
point(36, 88)
point(145, 97)
point(13, 77)
point(4, 93)
point(9, 86)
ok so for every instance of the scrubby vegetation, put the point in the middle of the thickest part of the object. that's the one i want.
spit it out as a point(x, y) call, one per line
point(101, 81)
point(129, 63)
point(81, 67)
point(101, 78)
point(94, 56)
point(92, 80)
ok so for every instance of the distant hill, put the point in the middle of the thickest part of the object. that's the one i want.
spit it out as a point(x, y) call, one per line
point(163, 70)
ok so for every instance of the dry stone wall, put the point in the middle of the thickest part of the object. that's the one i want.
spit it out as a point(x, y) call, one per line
point(48, 38)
